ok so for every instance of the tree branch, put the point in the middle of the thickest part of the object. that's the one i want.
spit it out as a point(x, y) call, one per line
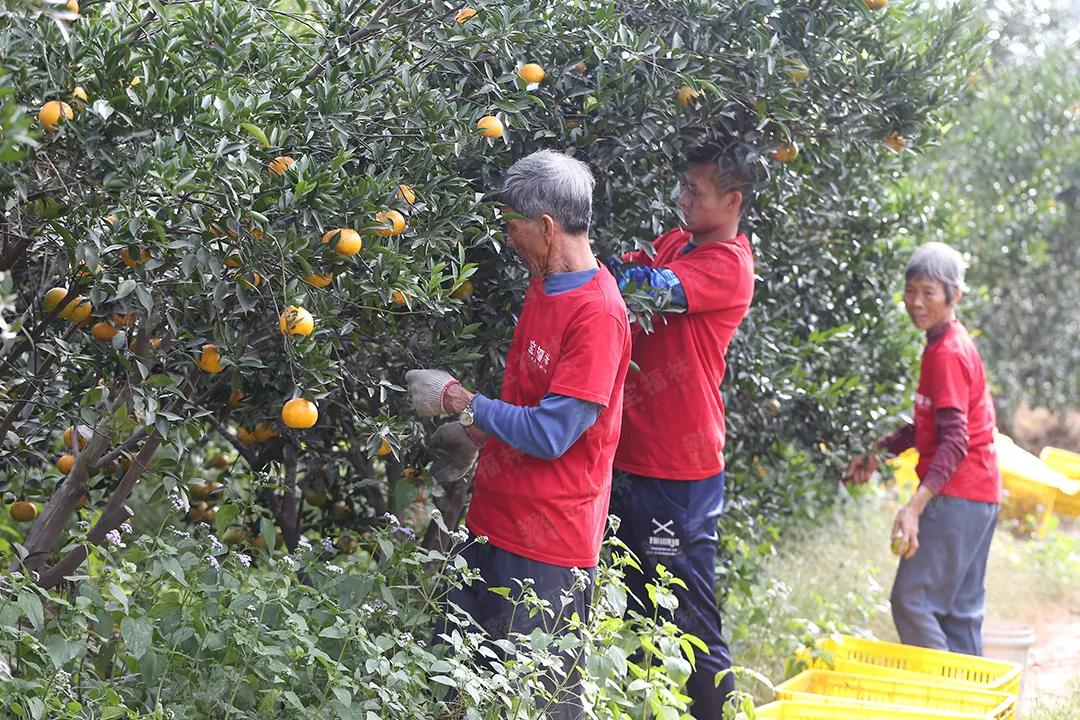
point(351, 38)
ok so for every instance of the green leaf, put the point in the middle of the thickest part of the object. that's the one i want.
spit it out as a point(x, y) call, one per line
point(257, 133)
point(31, 605)
point(137, 634)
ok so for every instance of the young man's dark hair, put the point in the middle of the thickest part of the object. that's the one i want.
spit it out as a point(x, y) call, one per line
point(735, 172)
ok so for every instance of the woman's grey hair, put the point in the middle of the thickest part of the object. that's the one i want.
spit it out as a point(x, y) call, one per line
point(938, 261)
point(550, 183)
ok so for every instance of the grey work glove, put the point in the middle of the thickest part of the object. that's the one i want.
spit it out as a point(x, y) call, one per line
point(453, 452)
point(426, 389)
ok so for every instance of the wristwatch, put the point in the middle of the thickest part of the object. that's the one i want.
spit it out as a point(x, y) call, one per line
point(466, 417)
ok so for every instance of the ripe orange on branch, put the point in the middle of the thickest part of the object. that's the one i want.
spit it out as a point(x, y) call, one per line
point(50, 113)
point(280, 164)
point(210, 360)
point(23, 511)
point(531, 73)
point(393, 223)
point(296, 321)
point(299, 413)
point(490, 126)
point(319, 281)
point(349, 241)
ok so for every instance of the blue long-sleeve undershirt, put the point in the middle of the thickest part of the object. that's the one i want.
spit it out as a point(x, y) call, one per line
point(546, 431)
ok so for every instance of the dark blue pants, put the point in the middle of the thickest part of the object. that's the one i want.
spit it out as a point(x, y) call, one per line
point(673, 523)
point(498, 617)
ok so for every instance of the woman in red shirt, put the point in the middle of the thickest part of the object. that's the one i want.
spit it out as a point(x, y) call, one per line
point(943, 534)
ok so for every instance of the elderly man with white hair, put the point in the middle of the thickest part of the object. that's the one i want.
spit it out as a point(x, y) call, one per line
point(943, 534)
point(546, 446)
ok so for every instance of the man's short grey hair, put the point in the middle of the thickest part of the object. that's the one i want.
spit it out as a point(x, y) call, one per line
point(550, 183)
point(938, 261)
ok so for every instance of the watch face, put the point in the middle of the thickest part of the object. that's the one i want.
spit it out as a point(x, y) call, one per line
point(466, 417)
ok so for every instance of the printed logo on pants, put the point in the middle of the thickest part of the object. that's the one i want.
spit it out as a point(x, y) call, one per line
point(662, 541)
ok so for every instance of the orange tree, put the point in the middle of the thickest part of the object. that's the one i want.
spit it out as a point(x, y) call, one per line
point(237, 204)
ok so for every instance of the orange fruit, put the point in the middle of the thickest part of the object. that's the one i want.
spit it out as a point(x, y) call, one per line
point(348, 241)
point(264, 431)
point(50, 113)
point(245, 436)
point(464, 290)
point(78, 95)
point(235, 536)
point(490, 126)
point(346, 544)
point(299, 413)
point(786, 151)
point(464, 14)
point(251, 281)
point(876, 4)
point(53, 298)
point(895, 141)
point(232, 260)
point(392, 221)
point(23, 511)
point(685, 96)
point(70, 435)
point(73, 6)
point(131, 260)
point(65, 463)
point(320, 281)
point(219, 461)
point(296, 321)
point(199, 491)
point(79, 310)
point(405, 194)
point(797, 71)
point(124, 320)
point(341, 509)
point(210, 360)
point(235, 398)
point(280, 164)
point(103, 331)
point(531, 73)
point(197, 511)
point(397, 297)
point(318, 498)
point(384, 448)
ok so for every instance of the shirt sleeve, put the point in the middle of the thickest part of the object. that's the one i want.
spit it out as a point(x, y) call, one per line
point(949, 383)
point(952, 427)
point(713, 277)
point(545, 432)
point(898, 440)
point(590, 356)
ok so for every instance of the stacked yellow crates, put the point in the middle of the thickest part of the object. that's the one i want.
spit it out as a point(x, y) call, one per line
point(1066, 462)
point(870, 679)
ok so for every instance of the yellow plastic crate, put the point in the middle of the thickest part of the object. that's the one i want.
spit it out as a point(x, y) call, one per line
point(801, 710)
point(1067, 505)
point(906, 662)
point(1065, 462)
point(1024, 497)
point(830, 686)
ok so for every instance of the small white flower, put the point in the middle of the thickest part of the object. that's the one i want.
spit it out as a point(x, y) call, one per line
point(244, 560)
point(330, 567)
point(213, 562)
point(82, 525)
point(328, 544)
point(303, 543)
point(251, 608)
point(126, 528)
point(215, 544)
point(113, 538)
point(289, 561)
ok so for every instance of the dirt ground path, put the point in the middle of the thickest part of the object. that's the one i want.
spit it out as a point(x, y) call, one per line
point(1053, 671)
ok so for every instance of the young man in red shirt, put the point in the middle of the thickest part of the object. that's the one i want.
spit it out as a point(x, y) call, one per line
point(542, 485)
point(668, 487)
point(944, 532)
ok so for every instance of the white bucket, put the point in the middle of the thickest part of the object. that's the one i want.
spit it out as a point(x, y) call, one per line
point(1009, 641)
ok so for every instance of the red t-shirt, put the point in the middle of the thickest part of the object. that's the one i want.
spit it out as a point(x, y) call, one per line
point(673, 422)
point(952, 376)
point(576, 344)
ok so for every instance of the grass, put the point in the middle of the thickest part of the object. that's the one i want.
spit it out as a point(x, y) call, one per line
point(836, 578)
